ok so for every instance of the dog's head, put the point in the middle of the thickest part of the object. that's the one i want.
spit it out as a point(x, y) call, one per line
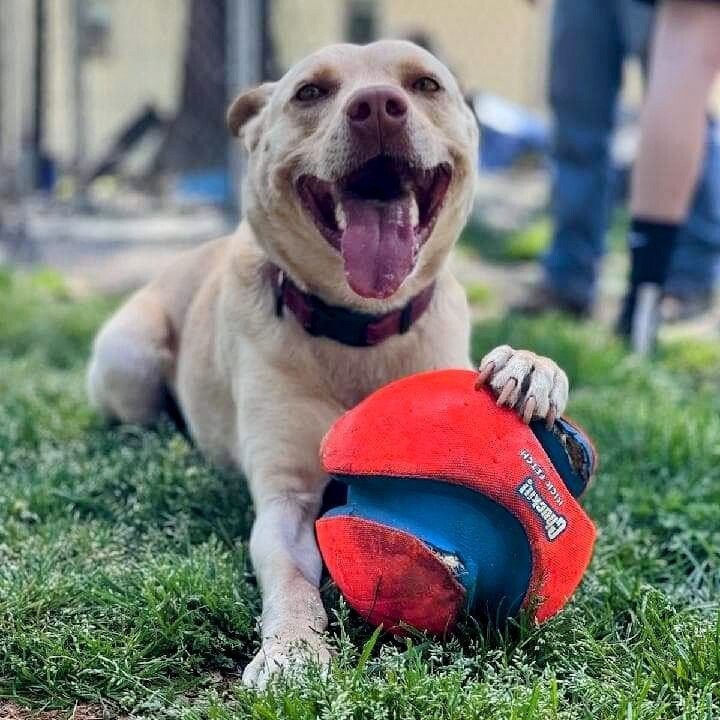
point(361, 169)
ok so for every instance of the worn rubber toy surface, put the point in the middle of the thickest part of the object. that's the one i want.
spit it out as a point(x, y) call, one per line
point(454, 506)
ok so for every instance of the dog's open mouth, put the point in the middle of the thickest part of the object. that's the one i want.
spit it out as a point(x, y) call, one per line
point(378, 217)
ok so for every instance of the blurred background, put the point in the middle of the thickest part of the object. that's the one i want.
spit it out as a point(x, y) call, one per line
point(114, 152)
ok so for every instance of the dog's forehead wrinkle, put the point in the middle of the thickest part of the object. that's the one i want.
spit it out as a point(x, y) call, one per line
point(380, 61)
point(333, 59)
point(399, 50)
point(324, 74)
point(409, 58)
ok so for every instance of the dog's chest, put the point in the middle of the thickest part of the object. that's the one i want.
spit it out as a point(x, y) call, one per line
point(351, 374)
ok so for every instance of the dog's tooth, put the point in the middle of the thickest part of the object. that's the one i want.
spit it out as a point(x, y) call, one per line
point(340, 218)
point(414, 211)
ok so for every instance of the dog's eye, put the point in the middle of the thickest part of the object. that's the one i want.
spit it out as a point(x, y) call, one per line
point(426, 85)
point(310, 92)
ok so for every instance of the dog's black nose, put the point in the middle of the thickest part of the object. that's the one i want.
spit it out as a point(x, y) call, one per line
point(378, 110)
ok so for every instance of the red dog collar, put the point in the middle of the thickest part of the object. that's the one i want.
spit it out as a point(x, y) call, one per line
point(349, 327)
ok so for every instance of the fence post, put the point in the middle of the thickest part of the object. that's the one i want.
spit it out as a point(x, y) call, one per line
point(79, 97)
point(38, 94)
point(244, 69)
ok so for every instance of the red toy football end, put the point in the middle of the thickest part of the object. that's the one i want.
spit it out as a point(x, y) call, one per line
point(388, 575)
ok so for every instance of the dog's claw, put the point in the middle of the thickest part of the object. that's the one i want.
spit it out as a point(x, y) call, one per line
point(550, 418)
point(484, 374)
point(506, 391)
point(529, 409)
point(535, 386)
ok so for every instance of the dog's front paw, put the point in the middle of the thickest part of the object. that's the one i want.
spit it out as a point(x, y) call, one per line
point(278, 656)
point(531, 384)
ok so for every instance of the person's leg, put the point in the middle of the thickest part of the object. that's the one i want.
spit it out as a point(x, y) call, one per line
point(685, 60)
point(636, 22)
point(696, 260)
point(585, 74)
point(695, 264)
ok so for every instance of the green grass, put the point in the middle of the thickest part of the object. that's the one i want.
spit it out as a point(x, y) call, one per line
point(478, 293)
point(527, 243)
point(531, 241)
point(124, 579)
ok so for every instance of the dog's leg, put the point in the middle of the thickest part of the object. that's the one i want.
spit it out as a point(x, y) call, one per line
point(281, 430)
point(533, 385)
point(288, 565)
point(130, 359)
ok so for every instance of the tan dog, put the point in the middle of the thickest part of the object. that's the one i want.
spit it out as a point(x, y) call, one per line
point(361, 172)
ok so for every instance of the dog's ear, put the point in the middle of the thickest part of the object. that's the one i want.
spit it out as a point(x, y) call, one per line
point(247, 106)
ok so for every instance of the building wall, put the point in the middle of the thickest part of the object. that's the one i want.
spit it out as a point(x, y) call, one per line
point(61, 103)
point(493, 45)
point(300, 27)
point(16, 82)
point(142, 64)
point(497, 46)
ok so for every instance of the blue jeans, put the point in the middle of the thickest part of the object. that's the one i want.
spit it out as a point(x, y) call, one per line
point(590, 41)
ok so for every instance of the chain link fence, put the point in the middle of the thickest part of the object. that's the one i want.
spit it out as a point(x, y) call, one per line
point(128, 76)
point(112, 118)
point(112, 111)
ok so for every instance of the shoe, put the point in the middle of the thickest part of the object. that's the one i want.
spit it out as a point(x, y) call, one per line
point(639, 320)
point(624, 321)
point(542, 299)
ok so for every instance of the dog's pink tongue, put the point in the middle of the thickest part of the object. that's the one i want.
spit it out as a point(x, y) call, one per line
point(378, 246)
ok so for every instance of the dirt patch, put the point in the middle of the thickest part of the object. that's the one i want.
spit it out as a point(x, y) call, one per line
point(81, 711)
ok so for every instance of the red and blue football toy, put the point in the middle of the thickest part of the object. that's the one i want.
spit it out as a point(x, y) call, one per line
point(454, 506)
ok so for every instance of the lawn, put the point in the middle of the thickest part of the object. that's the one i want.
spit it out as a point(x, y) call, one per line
point(125, 586)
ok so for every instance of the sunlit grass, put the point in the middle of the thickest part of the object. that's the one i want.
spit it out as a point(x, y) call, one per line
point(124, 577)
